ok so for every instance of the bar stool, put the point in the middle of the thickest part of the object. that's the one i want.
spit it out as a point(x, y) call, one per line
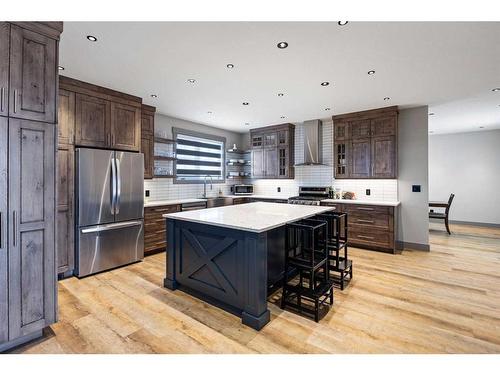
point(306, 255)
point(340, 264)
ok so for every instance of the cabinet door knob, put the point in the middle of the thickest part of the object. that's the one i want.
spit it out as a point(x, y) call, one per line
point(15, 101)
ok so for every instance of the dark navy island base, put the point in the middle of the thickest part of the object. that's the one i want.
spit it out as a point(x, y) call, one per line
point(229, 268)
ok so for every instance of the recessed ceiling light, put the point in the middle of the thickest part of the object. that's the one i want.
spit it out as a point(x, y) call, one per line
point(282, 117)
point(328, 109)
point(281, 94)
point(343, 23)
point(370, 72)
point(496, 89)
point(247, 123)
point(431, 114)
point(431, 131)
point(387, 98)
point(209, 112)
point(245, 103)
point(154, 95)
point(481, 127)
point(191, 80)
point(60, 67)
point(282, 45)
point(230, 66)
point(325, 83)
point(92, 38)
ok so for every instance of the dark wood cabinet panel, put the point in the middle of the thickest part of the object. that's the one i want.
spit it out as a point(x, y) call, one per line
point(32, 243)
point(147, 148)
point(65, 209)
point(341, 131)
point(4, 291)
point(66, 117)
point(147, 139)
point(283, 162)
point(360, 129)
point(383, 157)
point(92, 121)
point(383, 126)
point(155, 233)
point(33, 72)
point(360, 158)
point(4, 69)
point(125, 127)
point(270, 162)
point(258, 163)
point(283, 137)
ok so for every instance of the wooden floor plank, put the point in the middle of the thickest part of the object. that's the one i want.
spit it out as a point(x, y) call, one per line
point(443, 301)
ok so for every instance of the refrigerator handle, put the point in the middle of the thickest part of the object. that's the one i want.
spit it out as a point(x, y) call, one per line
point(118, 186)
point(113, 186)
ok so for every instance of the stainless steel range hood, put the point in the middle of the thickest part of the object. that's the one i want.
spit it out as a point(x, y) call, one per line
point(313, 143)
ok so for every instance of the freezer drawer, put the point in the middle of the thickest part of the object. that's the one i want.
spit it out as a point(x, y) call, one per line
point(103, 247)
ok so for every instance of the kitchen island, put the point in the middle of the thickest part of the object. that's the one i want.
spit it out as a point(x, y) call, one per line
point(231, 256)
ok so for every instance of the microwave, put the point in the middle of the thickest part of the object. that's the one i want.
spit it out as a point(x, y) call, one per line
point(242, 189)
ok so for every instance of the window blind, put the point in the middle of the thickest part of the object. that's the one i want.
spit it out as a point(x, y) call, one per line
point(199, 158)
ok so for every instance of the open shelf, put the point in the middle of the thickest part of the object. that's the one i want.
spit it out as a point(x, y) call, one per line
point(164, 140)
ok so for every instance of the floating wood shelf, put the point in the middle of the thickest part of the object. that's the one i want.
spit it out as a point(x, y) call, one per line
point(164, 140)
point(164, 176)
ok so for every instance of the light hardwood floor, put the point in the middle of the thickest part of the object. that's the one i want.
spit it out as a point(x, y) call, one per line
point(443, 301)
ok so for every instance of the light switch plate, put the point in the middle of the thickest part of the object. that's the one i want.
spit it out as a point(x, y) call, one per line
point(416, 188)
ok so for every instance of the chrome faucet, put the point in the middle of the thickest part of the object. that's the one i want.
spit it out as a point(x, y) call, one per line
point(205, 185)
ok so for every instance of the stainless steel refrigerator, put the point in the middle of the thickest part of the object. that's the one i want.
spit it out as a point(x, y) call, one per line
point(109, 209)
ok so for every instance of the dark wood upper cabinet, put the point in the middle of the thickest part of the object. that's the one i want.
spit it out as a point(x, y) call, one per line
point(32, 300)
point(365, 144)
point(360, 129)
point(360, 158)
point(125, 127)
point(33, 72)
point(273, 151)
point(4, 69)
point(66, 117)
point(341, 131)
point(147, 139)
point(383, 126)
point(384, 157)
point(92, 121)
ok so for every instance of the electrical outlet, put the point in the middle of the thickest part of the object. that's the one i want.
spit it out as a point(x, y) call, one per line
point(146, 193)
point(368, 192)
point(279, 189)
point(416, 188)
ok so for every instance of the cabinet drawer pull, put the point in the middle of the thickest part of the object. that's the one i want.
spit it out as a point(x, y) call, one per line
point(14, 228)
point(365, 209)
point(366, 221)
point(367, 237)
point(2, 90)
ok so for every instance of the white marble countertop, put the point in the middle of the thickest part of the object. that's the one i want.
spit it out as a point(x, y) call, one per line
point(360, 201)
point(252, 217)
point(171, 202)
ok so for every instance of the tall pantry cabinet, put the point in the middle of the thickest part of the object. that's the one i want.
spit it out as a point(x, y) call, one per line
point(28, 92)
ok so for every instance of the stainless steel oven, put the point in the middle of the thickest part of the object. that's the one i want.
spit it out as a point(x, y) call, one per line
point(242, 189)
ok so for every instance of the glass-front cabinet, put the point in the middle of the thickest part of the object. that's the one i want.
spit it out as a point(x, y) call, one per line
point(341, 159)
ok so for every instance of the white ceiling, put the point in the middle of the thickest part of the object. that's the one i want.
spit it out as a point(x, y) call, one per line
point(416, 63)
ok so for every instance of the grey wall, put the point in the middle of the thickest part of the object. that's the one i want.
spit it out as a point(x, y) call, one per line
point(467, 164)
point(413, 223)
point(165, 124)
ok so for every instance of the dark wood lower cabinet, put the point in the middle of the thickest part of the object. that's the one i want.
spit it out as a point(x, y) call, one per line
point(370, 226)
point(155, 233)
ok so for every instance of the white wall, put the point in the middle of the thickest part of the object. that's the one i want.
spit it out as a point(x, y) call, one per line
point(467, 164)
point(413, 223)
